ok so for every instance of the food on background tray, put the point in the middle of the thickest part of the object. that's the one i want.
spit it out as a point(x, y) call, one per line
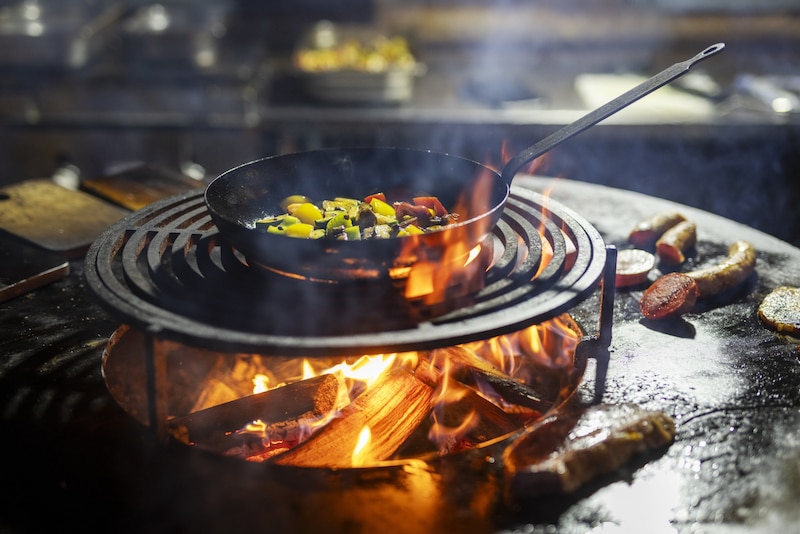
point(670, 296)
point(674, 243)
point(633, 267)
point(780, 310)
point(376, 54)
point(676, 293)
point(646, 233)
point(353, 219)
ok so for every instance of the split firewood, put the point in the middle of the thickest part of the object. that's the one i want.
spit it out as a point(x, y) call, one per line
point(392, 408)
point(304, 400)
point(471, 369)
point(568, 450)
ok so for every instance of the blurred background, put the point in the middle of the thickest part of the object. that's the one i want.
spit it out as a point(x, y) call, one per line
point(93, 89)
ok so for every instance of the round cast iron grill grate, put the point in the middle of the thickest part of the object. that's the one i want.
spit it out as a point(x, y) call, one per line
point(164, 269)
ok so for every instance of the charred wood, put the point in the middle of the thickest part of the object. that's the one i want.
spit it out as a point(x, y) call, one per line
point(306, 399)
point(471, 369)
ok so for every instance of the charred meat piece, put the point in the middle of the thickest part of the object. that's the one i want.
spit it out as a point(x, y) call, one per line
point(670, 296)
point(568, 450)
point(780, 310)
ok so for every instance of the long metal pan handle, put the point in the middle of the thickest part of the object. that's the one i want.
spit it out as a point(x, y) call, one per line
point(606, 110)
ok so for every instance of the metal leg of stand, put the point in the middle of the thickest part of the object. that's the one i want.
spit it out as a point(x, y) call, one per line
point(156, 382)
point(602, 354)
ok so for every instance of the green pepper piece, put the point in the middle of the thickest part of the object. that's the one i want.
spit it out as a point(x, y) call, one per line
point(266, 222)
point(341, 219)
point(278, 230)
point(353, 233)
point(322, 223)
point(289, 220)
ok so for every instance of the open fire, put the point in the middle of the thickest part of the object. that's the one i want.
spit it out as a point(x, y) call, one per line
point(363, 411)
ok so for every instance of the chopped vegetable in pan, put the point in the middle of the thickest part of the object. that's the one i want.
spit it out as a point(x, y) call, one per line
point(353, 219)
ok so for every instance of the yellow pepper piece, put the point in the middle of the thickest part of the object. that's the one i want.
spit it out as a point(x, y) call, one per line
point(413, 230)
point(307, 212)
point(299, 230)
point(381, 207)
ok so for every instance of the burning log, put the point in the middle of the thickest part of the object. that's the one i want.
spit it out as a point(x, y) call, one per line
point(472, 369)
point(391, 409)
point(304, 400)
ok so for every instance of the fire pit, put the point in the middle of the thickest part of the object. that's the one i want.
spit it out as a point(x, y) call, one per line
point(459, 361)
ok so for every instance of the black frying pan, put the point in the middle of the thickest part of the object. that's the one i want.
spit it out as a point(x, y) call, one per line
point(245, 194)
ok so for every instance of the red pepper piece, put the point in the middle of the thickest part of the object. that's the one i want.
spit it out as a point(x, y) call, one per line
point(432, 203)
point(379, 196)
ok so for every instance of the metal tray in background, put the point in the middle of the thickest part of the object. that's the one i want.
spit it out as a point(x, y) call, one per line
point(357, 87)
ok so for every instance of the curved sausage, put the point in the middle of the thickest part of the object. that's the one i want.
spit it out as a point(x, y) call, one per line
point(671, 247)
point(645, 234)
point(676, 293)
point(732, 271)
point(670, 296)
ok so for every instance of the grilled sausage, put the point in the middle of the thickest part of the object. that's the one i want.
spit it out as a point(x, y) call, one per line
point(671, 247)
point(670, 296)
point(645, 234)
point(676, 293)
point(732, 271)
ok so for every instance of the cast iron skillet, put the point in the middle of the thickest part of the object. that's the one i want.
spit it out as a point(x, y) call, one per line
point(245, 194)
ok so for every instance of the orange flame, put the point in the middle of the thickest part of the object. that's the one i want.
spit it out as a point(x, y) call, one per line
point(520, 356)
point(551, 343)
point(447, 265)
point(360, 452)
point(446, 437)
point(260, 383)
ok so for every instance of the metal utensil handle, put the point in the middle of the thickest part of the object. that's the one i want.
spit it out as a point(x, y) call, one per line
point(590, 119)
